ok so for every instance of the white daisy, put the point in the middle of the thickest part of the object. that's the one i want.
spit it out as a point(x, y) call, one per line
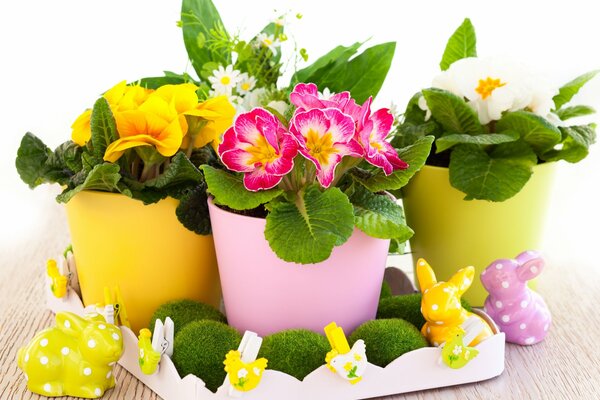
point(224, 80)
point(278, 105)
point(242, 373)
point(246, 83)
point(268, 41)
point(457, 350)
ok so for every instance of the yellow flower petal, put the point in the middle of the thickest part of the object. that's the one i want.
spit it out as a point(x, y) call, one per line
point(81, 130)
point(182, 96)
point(115, 94)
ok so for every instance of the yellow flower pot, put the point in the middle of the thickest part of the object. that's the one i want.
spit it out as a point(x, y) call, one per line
point(452, 233)
point(143, 249)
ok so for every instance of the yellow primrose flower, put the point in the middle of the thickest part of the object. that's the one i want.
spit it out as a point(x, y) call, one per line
point(218, 113)
point(182, 96)
point(120, 98)
point(154, 123)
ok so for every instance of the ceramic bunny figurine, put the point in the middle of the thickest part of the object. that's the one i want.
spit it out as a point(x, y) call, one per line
point(74, 358)
point(441, 305)
point(519, 312)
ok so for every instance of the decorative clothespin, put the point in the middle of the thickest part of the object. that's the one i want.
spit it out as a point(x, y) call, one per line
point(118, 307)
point(455, 353)
point(348, 363)
point(244, 371)
point(58, 281)
point(153, 345)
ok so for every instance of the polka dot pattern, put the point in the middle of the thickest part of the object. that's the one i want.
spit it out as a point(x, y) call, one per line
point(67, 324)
point(87, 371)
point(44, 342)
point(44, 360)
point(47, 388)
point(91, 343)
point(65, 351)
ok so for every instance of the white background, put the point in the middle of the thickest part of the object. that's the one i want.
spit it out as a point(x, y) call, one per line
point(58, 56)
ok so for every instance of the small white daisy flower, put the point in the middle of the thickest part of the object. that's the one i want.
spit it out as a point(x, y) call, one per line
point(242, 373)
point(457, 350)
point(224, 80)
point(246, 83)
point(268, 41)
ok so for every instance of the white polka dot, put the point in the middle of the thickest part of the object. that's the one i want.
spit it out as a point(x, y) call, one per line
point(524, 304)
point(47, 388)
point(434, 307)
point(116, 336)
point(467, 282)
point(546, 327)
point(109, 374)
point(486, 309)
point(26, 357)
point(65, 351)
point(439, 322)
point(44, 342)
point(428, 330)
point(534, 269)
point(426, 290)
point(498, 304)
point(91, 343)
point(505, 318)
point(67, 324)
point(530, 340)
point(101, 326)
point(98, 392)
point(505, 284)
point(44, 360)
point(499, 266)
point(522, 326)
point(142, 353)
point(87, 371)
point(421, 262)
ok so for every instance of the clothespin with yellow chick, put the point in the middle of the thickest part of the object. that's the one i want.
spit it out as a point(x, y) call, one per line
point(62, 273)
point(244, 371)
point(113, 310)
point(349, 363)
point(455, 353)
point(153, 345)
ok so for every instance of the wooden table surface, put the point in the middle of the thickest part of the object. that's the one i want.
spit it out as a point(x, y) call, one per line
point(565, 366)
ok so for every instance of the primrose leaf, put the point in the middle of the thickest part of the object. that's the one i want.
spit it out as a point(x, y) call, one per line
point(497, 176)
point(575, 146)
point(566, 93)
point(155, 82)
point(317, 71)
point(462, 44)
point(229, 190)
point(104, 130)
point(180, 171)
point(573, 112)
point(192, 210)
point(536, 131)
point(379, 216)
point(307, 230)
point(452, 112)
point(31, 160)
point(447, 141)
point(415, 155)
point(103, 177)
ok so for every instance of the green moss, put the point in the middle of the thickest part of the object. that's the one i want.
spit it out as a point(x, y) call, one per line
point(297, 352)
point(407, 307)
point(182, 312)
point(386, 291)
point(200, 349)
point(388, 339)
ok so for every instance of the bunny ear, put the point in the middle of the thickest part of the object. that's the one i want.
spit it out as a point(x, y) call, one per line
point(425, 275)
point(463, 279)
point(530, 268)
point(69, 323)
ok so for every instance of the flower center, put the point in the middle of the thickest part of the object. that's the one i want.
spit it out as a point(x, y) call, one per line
point(245, 86)
point(262, 153)
point(268, 42)
point(225, 80)
point(374, 143)
point(320, 147)
point(487, 86)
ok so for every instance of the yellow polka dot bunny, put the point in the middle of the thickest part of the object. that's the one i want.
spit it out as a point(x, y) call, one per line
point(441, 306)
point(75, 357)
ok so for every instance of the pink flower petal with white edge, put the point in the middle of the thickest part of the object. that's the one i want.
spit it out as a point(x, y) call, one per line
point(305, 121)
point(352, 148)
point(359, 114)
point(238, 160)
point(341, 127)
point(259, 179)
point(385, 158)
point(305, 96)
point(269, 125)
point(338, 100)
point(326, 171)
point(246, 126)
point(285, 162)
point(382, 123)
point(230, 141)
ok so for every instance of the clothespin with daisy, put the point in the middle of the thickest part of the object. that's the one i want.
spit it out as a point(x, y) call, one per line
point(455, 354)
point(244, 371)
point(348, 363)
point(62, 273)
point(151, 346)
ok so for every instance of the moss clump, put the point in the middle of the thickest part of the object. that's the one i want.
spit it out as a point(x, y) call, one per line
point(386, 291)
point(182, 312)
point(407, 307)
point(200, 349)
point(297, 352)
point(388, 339)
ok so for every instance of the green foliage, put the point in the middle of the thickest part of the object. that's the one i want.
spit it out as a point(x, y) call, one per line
point(316, 220)
point(447, 141)
point(228, 190)
point(103, 177)
point(536, 131)
point(573, 112)
point(180, 171)
point(378, 215)
point(576, 143)
point(200, 349)
point(296, 352)
point(37, 164)
point(494, 176)
point(566, 92)
point(452, 112)
point(192, 210)
point(462, 44)
point(386, 291)
point(320, 68)
point(104, 130)
point(388, 339)
point(183, 312)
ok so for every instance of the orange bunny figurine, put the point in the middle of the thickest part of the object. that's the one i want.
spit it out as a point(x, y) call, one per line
point(441, 305)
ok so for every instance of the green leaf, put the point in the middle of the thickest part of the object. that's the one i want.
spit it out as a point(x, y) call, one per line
point(192, 210)
point(104, 130)
point(180, 171)
point(378, 215)
point(447, 141)
point(540, 134)
point(306, 231)
point(415, 155)
point(63, 163)
point(461, 44)
point(574, 147)
point(229, 190)
point(566, 93)
point(31, 160)
point(103, 177)
point(315, 71)
point(155, 82)
point(496, 176)
point(452, 112)
point(198, 18)
point(575, 111)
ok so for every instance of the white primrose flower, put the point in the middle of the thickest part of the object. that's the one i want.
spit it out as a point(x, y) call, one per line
point(246, 83)
point(268, 41)
point(224, 80)
point(326, 94)
point(254, 98)
point(278, 105)
point(422, 103)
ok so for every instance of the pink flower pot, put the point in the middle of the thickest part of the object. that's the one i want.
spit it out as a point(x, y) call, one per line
point(265, 294)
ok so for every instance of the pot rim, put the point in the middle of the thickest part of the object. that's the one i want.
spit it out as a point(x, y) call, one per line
point(546, 164)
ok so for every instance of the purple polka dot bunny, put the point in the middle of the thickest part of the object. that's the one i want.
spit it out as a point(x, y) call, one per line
point(519, 312)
